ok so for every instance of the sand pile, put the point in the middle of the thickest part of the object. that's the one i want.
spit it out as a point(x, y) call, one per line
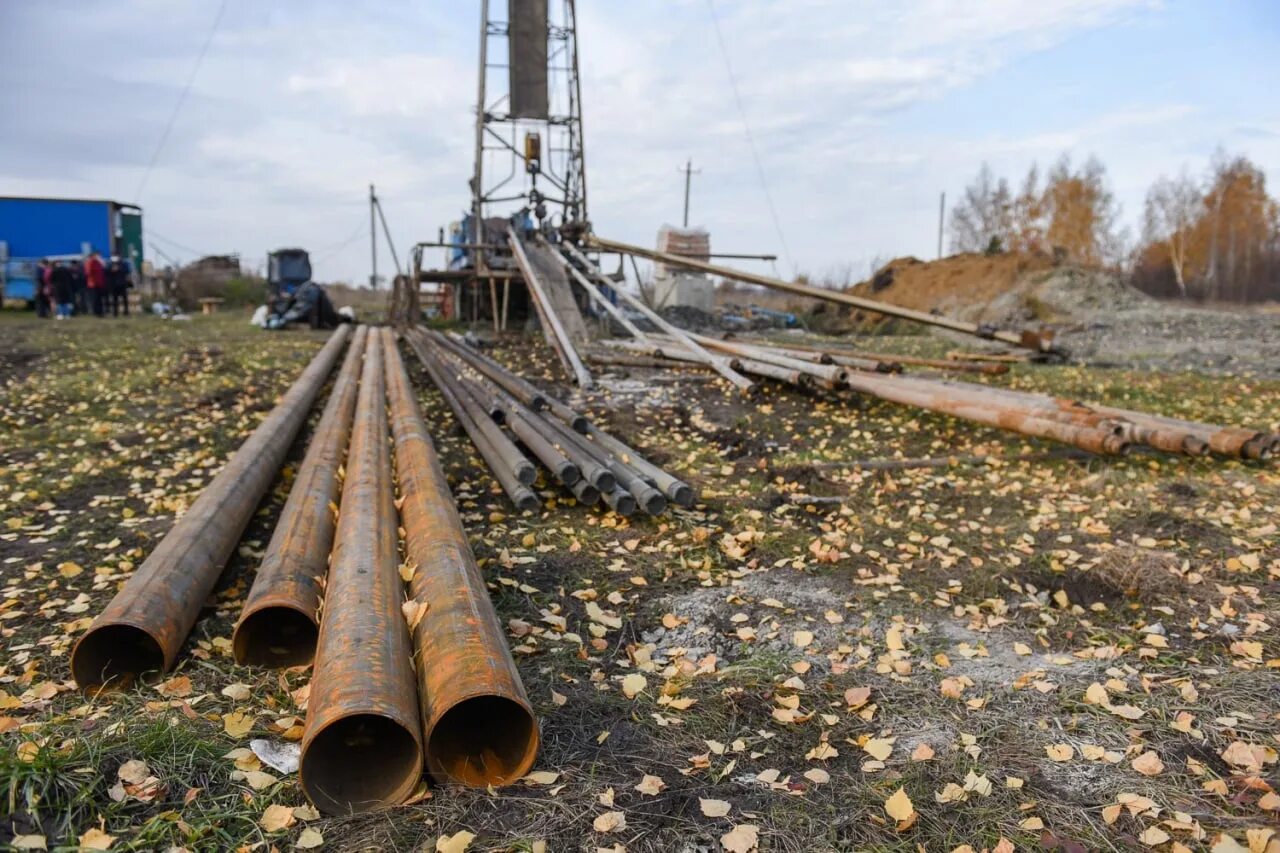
point(1006, 289)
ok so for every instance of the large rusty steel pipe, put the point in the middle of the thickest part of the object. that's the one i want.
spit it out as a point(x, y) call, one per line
point(925, 395)
point(498, 463)
point(362, 746)
point(143, 627)
point(479, 727)
point(280, 621)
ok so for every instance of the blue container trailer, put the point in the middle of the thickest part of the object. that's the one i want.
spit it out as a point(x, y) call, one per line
point(61, 229)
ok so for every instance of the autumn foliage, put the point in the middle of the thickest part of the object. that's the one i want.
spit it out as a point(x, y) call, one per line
point(1211, 239)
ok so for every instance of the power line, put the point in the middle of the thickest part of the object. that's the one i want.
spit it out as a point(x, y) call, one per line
point(182, 99)
point(175, 244)
point(751, 140)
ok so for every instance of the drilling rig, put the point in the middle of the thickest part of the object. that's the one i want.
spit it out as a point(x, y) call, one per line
point(529, 176)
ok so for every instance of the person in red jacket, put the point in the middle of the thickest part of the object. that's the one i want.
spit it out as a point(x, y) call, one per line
point(95, 277)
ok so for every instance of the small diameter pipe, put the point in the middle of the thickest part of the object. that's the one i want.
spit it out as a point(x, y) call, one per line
point(498, 463)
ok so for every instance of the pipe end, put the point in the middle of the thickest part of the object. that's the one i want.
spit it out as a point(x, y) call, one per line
point(525, 500)
point(275, 637)
point(482, 741)
point(525, 471)
point(360, 763)
point(568, 473)
point(653, 501)
point(681, 494)
point(114, 656)
point(623, 503)
point(580, 424)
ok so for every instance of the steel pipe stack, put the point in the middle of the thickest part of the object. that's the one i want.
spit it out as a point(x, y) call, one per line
point(513, 472)
point(586, 460)
point(280, 621)
point(362, 745)
point(144, 626)
point(479, 727)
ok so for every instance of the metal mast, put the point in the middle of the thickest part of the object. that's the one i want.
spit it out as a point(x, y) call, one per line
point(536, 92)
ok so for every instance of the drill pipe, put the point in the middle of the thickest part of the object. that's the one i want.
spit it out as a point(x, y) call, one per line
point(827, 372)
point(279, 623)
point(499, 463)
point(143, 627)
point(507, 381)
point(512, 384)
point(676, 490)
point(628, 479)
point(840, 355)
point(479, 728)
point(362, 746)
point(990, 412)
point(1040, 341)
point(524, 425)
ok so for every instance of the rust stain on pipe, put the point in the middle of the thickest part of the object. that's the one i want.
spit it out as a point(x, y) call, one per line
point(280, 622)
point(143, 627)
point(362, 747)
point(479, 727)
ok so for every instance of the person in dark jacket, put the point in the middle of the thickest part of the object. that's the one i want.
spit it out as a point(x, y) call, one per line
point(79, 287)
point(118, 283)
point(63, 285)
point(309, 304)
point(40, 283)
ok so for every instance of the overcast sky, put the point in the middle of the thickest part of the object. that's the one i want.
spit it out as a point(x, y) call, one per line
point(862, 113)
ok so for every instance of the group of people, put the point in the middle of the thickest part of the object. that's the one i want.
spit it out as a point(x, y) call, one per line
point(67, 288)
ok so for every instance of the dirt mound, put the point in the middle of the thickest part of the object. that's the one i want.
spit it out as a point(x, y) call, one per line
point(1005, 289)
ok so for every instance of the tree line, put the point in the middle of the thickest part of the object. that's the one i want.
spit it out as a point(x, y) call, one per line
point(1215, 237)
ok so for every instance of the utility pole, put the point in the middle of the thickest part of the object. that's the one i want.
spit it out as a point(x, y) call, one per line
point(689, 172)
point(942, 215)
point(373, 239)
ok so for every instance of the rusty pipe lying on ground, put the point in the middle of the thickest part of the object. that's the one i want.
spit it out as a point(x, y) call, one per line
point(499, 463)
point(143, 627)
point(279, 624)
point(769, 355)
point(1135, 427)
point(362, 745)
point(479, 728)
point(913, 392)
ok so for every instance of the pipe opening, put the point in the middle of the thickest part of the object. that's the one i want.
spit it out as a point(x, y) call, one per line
point(276, 637)
point(682, 494)
point(485, 740)
point(114, 657)
point(360, 763)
